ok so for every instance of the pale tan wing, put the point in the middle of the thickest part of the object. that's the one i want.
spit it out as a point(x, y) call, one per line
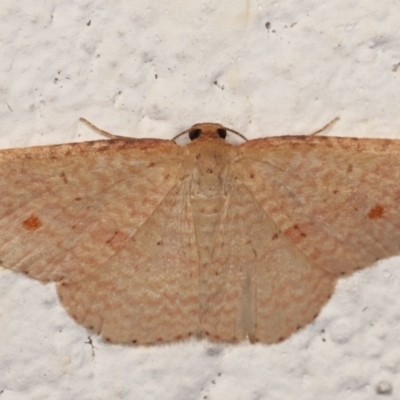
point(336, 199)
point(66, 209)
point(149, 291)
point(259, 284)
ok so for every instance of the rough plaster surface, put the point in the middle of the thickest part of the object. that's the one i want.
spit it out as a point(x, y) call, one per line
point(153, 69)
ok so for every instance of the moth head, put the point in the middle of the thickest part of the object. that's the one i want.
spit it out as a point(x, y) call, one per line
point(208, 131)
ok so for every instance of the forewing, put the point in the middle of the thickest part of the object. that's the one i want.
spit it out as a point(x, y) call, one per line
point(336, 199)
point(66, 209)
point(147, 292)
point(259, 285)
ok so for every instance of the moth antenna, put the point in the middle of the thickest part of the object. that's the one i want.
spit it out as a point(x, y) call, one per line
point(325, 127)
point(103, 133)
point(181, 134)
point(237, 133)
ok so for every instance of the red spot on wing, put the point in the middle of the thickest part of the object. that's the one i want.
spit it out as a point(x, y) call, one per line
point(295, 234)
point(32, 223)
point(118, 240)
point(64, 177)
point(349, 168)
point(376, 212)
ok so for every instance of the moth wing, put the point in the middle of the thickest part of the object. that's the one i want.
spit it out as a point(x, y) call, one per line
point(336, 199)
point(148, 291)
point(258, 285)
point(66, 209)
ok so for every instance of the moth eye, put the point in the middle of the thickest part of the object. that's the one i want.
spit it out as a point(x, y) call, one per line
point(221, 133)
point(194, 134)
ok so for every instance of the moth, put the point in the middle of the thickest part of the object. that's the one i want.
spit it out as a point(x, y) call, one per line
point(149, 241)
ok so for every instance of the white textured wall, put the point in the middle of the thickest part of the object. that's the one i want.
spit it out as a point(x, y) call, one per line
point(153, 68)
